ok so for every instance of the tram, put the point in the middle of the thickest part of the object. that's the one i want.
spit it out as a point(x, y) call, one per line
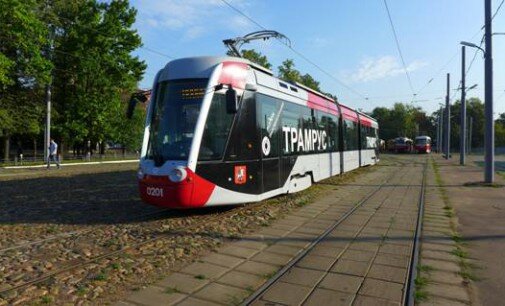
point(223, 130)
point(402, 145)
point(422, 144)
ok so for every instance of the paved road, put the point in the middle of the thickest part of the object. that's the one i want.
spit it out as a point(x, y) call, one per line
point(363, 260)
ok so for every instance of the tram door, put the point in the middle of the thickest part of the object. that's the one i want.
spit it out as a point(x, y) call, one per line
point(268, 120)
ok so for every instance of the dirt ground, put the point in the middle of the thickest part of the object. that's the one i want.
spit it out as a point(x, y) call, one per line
point(481, 214)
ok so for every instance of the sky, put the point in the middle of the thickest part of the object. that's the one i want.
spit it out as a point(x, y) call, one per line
point(351, 42)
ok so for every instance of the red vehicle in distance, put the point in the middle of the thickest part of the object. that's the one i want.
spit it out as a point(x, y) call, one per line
point(422, 144)
point(402, 145)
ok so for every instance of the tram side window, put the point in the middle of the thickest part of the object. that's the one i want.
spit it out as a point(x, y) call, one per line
point(330, 125)
point(243, 144)
point(290, 119)
point(350, 135)
point(309, 122)
point(368, 137)
point(269, 117)
point(365, 133)
point(217, 128)
point(333, 133)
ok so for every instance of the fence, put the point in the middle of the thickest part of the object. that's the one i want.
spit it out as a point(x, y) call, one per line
point(21, 160)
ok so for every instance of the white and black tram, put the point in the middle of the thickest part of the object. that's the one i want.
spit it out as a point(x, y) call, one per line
point(222, 130)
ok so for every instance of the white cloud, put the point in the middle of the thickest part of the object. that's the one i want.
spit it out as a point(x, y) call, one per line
point(193, 17)
point(371, 69)
point(319, 42)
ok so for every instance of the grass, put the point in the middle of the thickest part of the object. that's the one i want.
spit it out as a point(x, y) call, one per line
point(420, 296)
point(52, 229)
point(46, 299)
point(420, 293)
point(424, 268)
point(269, 275)
point(100, 277)
point(81, 290)
point(171, 290)
point(466, 269)
point(234, 300)
point(459, 252)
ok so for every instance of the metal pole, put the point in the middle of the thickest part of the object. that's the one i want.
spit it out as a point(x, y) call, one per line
point(462, 130)
point(441, 130)
point(470, 136)
point(447, 120)
point(438, 133)
point(488, 96)
point(47, 137)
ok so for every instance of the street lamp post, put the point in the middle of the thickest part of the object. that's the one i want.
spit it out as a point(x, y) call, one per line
point(488, 96)
point(447, 121)
point(488, 107)
point(462, 129)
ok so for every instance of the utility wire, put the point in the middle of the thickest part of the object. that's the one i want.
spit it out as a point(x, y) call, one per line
point(399, 49)
point(457, 52)
point(297, 52)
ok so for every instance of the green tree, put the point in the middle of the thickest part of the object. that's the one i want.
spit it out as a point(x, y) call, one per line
point(288, 72)
point(23, 67)
point(94, 63)
point(501, 119)
point(310, 82)
point(403, 120)
point(499, 133)
point(255, 57)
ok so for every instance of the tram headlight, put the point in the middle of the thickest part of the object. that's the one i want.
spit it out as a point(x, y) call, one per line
point(177, 174)
point(140, 173)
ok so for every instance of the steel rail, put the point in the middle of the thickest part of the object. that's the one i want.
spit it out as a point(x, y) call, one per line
point(175, 232)
point(410, 285)
point(258, 293)
point(77, 233)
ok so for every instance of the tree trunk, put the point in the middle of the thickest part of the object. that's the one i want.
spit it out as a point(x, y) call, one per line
point(34, 149)
point(6, 147)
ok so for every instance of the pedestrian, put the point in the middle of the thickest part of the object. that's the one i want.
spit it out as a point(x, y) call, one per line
point(20, 153)
point(53, 154)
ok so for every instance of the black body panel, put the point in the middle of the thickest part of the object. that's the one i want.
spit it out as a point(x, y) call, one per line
point(223, 175)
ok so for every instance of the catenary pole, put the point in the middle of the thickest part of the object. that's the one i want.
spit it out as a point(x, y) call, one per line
point(47, 134)
point(462, 129)
point(488, 96)
point(447, 120)
point(441, 130)
point(438, 133)
point(470, 135)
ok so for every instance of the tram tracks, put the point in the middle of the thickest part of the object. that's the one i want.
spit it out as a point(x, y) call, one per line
point(194, 226)
point(410, 286)
point(76, 233)
point(409, 282)
point(83, 266)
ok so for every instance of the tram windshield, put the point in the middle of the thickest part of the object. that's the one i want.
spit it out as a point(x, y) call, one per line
point(422, 141)
point(176, 109)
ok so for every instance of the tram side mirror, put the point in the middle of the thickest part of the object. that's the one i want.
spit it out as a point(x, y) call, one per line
point(134, 99)
point(131, 106)
point(231, 100)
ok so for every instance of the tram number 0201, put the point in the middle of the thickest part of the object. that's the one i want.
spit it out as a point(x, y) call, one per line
point(154, 191)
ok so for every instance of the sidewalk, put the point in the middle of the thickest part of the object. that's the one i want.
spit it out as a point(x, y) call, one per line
point(74, 164)
point(480, 216)
point(363, 261)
